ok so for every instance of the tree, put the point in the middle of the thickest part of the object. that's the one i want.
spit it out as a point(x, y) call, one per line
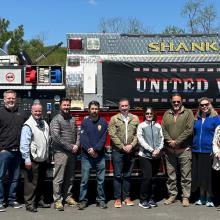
point(112, 25)
point(34, 48)
point(3, 26)
point(119, 25)
point(4, 34)
point(173, 30)
point(201, 18)
point(191, 11)
point(16, 36)
point(134, 26)
point(206, 19)
point(16, 40)
point(58, 57)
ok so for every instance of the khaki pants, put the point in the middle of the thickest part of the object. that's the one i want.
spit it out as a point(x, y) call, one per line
point(63, 175)
point(181, 159)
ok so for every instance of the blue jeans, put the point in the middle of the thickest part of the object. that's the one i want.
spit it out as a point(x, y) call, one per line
point(9, 162)
point(123, 165)
point(86, 165)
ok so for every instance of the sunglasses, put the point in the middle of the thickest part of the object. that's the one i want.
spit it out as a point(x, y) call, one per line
point(148, 113)
point(174, 102)
point(204, 105)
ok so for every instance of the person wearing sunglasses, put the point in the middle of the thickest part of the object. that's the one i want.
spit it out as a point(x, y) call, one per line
point(177, 125)
point(206, 121)
point(150, 137)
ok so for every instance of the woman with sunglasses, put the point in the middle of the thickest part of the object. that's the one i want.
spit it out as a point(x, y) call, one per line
point(150, 137)
point(206, 121)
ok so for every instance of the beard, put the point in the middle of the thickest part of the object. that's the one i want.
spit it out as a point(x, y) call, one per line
point(94, 114)
point(10, 106)
point(124, 111)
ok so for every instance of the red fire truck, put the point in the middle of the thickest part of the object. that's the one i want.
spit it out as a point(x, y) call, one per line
point(147, 69)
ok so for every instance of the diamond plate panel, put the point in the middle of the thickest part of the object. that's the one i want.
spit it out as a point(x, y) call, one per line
point(119, 44)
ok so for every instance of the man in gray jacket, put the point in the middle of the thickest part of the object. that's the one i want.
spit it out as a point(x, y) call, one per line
point(65, 138)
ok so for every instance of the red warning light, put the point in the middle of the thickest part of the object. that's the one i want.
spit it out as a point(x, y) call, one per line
point(31, 75)
point(75, 44)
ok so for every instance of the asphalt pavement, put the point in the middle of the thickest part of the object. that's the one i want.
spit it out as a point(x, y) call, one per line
point(162, 212)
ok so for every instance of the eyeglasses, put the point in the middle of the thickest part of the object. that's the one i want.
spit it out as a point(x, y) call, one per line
point(174, 102)
point(204, 105)
point(148, 113)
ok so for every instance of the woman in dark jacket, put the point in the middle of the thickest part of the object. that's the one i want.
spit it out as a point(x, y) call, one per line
point(205, 124)
point(150, 137)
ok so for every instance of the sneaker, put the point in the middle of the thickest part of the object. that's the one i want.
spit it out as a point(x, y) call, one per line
point(152, 203)
point(71, 201)
point(82, 205)
point(15, 205)
point(58, 206)
point(117, 203)
point(101, 205)
point(200, 202)
point(128, 202)
point(209, 204)
point(2, 208)
point(218, 208)
point(170, 200)
point(144, 205)
point(185, 202)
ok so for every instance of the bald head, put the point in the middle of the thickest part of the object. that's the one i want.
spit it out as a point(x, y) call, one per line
point(36, 111)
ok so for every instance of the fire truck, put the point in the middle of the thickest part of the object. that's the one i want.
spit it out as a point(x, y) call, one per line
point(146, 69)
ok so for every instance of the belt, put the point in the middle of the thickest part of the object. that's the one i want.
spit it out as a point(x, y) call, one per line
point(177, 150)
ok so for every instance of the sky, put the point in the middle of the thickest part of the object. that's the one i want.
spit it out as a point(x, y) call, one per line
point(52, 19)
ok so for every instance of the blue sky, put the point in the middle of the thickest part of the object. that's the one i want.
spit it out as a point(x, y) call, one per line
point(52, 19)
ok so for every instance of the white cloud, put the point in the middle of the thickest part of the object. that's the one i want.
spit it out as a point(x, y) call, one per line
point(92, 2)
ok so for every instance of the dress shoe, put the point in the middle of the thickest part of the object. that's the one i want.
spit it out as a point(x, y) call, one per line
point(82, 205)
point(101, 205)
point(31, 209)
point(42, 204)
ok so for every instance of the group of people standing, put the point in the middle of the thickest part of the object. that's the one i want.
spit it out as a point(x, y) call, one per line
point(186, 141)
point(189, 144)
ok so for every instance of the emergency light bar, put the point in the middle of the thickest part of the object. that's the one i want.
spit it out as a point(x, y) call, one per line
point(31, 75)
point(75, 44)
point(56, 76)
point(93, 44)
